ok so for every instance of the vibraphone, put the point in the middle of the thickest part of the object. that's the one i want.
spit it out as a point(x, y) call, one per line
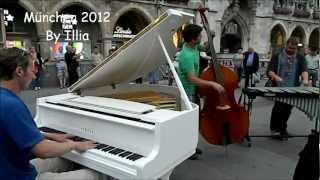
point(306, 99)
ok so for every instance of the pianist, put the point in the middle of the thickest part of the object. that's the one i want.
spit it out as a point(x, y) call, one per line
point(20, 140)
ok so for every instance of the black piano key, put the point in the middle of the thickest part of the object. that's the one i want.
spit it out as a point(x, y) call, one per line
point(100, 146)
point(84, 139)
point(120, 151)
point(50, 130)
point(77, 138)
point(107, 148)
point(74, 138)
point(126, 153)
point(136, 157)
point(116, 151)
point(131, 157)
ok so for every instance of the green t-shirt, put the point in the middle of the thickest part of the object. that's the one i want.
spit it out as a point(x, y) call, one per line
point(189, 63)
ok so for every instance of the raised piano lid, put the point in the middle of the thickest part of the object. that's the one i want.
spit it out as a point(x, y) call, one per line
point(138, 56)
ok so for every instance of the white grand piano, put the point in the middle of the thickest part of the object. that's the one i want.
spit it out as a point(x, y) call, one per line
point(143, 131)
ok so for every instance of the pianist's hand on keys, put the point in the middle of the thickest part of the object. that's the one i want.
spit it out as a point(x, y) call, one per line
point(58, 137)
point(77, 143)
point(82, 146)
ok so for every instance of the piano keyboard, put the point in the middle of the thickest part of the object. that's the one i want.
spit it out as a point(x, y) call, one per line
point(101, 148)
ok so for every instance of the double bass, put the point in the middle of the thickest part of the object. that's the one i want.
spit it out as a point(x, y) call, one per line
point(220, 126)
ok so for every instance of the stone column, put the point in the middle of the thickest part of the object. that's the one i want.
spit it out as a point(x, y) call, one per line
point(44, 46)
point(276, 3)
point(49, 78)
point(107, 44)
point(42, 28)
point(306, 41)
point(252, 18)
point(316, 9)
point(107, 31)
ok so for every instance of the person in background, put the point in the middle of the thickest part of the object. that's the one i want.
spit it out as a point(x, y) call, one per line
point(313, 65)
point(61, 67)
point(285, 69)
point(38, 66)
point(152, 78)
point(21, 143)
point(96, 56)
point(139, 80)
point(237, 60)
point(206, 57)
point(250, 66)
point(112, 50)
point(72, 64)
point(77, 57)
point(176, 67)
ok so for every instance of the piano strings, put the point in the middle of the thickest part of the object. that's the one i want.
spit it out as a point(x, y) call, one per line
point(161, 101)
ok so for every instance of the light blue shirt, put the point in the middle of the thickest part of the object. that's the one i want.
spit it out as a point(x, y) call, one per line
point(288, 71)
point(250, 59)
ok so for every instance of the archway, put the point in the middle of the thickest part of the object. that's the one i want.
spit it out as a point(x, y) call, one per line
point(19, 33)
point(277, 39)
point(79, 40)
point(314, 40)
point(86, 4)
point(127, 26)
point(231, 39)
point(300, 35)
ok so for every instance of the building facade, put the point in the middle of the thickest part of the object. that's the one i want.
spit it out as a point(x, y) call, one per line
point(262, 24)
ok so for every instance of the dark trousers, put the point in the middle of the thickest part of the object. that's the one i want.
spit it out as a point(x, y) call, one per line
point(280, 116)
point(37, 81)
point(238, 71)
point(248, 79)
point(313, 75)
point(73, 74)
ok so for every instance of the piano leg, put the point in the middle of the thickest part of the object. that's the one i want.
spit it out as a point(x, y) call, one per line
point(166, 176)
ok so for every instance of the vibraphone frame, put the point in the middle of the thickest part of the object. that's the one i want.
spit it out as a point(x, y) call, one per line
point(306, 99)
